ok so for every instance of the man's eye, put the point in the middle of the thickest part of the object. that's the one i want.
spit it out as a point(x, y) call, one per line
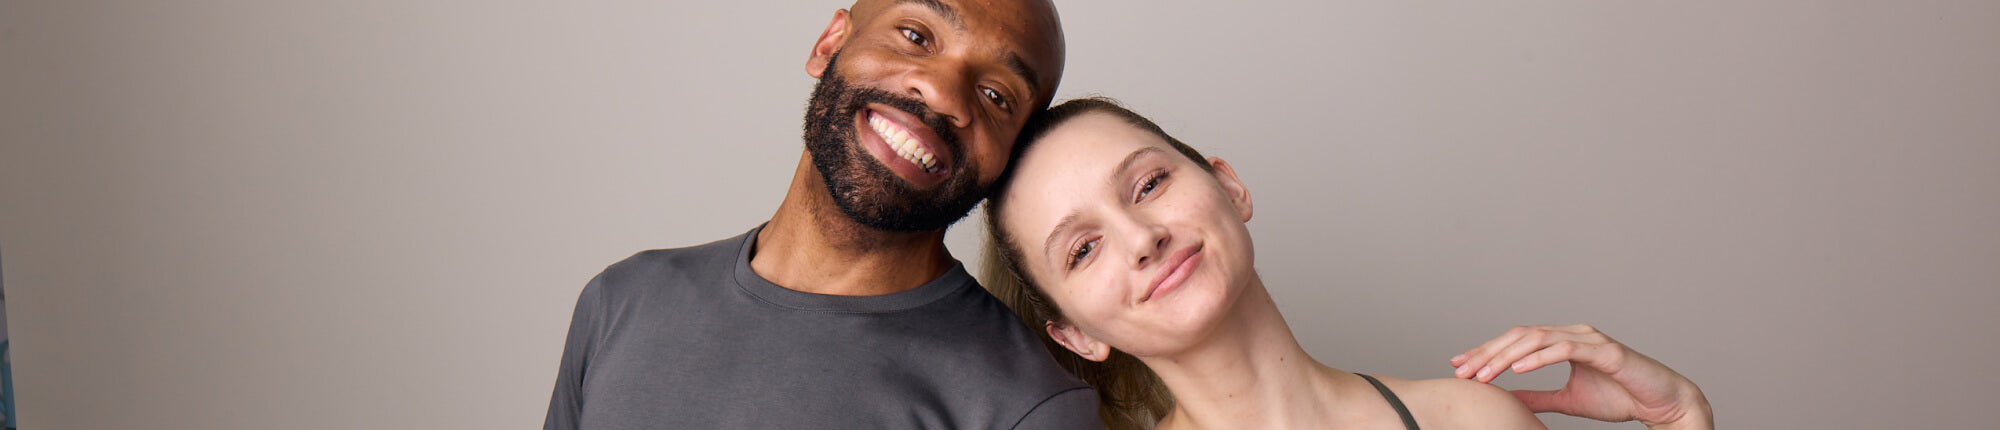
point(914, 37)
point(995, 97)
point(1083, 250)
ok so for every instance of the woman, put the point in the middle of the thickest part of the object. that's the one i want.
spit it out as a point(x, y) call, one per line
point(1130, 250)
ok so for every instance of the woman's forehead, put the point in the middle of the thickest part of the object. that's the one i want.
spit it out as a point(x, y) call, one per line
point(1090, 140)
point(1071, 165)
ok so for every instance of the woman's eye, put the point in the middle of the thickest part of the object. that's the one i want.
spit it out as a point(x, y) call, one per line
point(1082, 250)
point(1146, 188)
point(914, 37)
point(995, 97)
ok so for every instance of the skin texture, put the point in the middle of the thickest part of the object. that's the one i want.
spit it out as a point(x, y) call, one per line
point(957, 57)
point(1103, 212)
point(1608, 381)
point(1131, 235)
point(965, 61)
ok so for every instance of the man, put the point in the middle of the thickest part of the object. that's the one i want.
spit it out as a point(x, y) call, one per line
point(845, 310)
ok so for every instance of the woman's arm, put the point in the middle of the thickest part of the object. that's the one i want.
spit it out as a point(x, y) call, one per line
point(1608, 381)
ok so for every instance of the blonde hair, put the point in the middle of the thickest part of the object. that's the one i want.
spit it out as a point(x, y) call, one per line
point(1130, 395)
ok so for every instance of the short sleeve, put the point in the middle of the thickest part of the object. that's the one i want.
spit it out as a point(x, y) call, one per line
point(566, 404)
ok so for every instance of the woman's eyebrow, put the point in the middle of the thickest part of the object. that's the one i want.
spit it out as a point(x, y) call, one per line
point(1118, 175)
point(1069, 220)
point(1134, 157)
point(1066, 222)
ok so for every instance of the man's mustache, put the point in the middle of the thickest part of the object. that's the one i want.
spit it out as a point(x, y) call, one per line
point(948, 135)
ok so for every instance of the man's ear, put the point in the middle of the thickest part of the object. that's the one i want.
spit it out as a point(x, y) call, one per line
point(1238, 193)
point(829, 43)
point(1082, 344)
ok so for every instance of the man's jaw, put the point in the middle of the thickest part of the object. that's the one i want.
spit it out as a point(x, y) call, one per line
point(904, 144)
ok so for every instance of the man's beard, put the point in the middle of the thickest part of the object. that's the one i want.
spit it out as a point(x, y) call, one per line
point(867, 191)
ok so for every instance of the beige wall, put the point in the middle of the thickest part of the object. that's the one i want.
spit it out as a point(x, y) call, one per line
point(236, 214)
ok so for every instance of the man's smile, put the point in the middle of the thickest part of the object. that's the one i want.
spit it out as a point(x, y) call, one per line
point(905, 145)
point(909, 147)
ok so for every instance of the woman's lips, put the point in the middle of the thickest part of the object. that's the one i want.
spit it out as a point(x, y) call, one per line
point(1174, 272)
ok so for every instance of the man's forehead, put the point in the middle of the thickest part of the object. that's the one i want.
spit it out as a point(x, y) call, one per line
point(941, 8)
point(1031, 25)
point(1004, 9)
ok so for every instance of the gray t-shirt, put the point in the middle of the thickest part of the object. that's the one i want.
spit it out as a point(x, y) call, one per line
point(691, 338)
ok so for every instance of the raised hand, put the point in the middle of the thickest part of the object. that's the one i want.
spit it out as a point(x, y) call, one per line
point(1607, 380)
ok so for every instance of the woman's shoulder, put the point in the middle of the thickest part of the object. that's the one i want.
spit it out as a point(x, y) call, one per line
point(1448, 403)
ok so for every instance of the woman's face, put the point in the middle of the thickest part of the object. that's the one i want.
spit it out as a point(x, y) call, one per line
point(1141, 248)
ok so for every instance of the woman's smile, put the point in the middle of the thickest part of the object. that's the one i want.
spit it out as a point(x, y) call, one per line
point(1173, 272)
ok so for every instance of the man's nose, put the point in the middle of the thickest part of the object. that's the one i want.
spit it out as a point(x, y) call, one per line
point(945, 92)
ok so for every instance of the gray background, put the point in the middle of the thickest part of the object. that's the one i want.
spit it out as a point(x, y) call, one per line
point(246, 214)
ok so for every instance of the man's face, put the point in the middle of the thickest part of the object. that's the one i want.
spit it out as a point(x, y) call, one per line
point(919, 102)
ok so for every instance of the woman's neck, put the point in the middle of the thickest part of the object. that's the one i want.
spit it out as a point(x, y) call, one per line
point(1249, 373)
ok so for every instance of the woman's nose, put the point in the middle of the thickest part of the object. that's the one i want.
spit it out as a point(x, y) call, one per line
point(1150, 243)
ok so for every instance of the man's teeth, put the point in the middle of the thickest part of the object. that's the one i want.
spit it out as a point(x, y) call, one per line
point(906, 147)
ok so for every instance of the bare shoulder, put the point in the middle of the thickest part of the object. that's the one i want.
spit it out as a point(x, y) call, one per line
point(1451, 403)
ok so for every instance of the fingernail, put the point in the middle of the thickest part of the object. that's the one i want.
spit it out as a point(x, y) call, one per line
point(1456, 358)
point(1483, 371)
point(1518, 366)
point(1461, 371)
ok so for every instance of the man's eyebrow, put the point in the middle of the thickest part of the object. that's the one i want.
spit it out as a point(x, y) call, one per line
point(1026, 73)
point(1050, 242)
point(1014, 61)
point(949, 13)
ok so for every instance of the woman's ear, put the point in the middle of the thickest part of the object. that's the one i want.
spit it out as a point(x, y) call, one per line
point(829, 43)
point(1238, 193)
point(1082, 344)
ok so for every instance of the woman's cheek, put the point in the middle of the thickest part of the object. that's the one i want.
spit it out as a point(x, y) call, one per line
point(1103, 296)
point(1104, 299)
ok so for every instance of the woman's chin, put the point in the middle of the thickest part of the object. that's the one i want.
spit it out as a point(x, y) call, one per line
point(1183, 318)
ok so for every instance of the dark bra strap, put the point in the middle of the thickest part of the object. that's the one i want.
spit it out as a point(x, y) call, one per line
point(1409, 422)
